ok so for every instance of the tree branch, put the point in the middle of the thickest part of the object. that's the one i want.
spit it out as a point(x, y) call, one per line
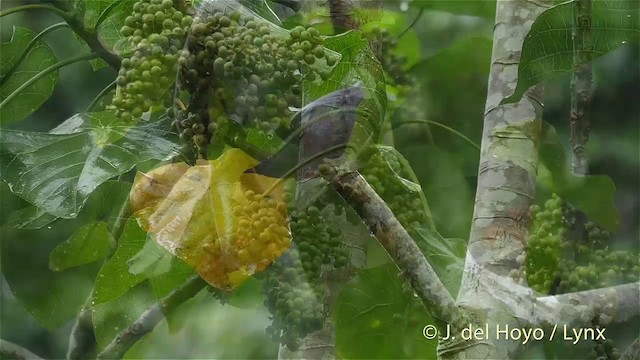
point(90, 36)
point(632, 352)
point(611, 305)
point(14, 351)
point(581, 86)
point(150, 318)
point(403, 250)
point(508, 160)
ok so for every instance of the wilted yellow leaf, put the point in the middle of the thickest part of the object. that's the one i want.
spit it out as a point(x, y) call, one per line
point(214, 217)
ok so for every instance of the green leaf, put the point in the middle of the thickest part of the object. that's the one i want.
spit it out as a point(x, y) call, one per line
point(548, 48)
point(395, 163)
point(374, 319)
point(153, 260)
point(88, 244)
point(38, 58)
point(114, 279)
point(248, 295)
point(446, 256)
point(262, 9)
point(357, 67)
point(109, 29)
point(266, 142)
point(52, 298)
point(110, 318)
point(95, 10)
point(57, 171)
point(31, 218)
point(484, 8)
point(592, 194)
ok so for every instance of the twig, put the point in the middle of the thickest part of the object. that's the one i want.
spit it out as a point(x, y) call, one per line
point(14, 351)
point(341, 12)
point(454, 131)
point(44, 73)
point(150, 318)
point(400, 246)
point(581, 85)
point(413, 23)
point(89, 35)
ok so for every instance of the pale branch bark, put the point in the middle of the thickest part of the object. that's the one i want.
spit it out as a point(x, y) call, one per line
point(383, 224)
point(612, 305)
point(632, 352)
point(581, 86)
point(150, 318)
point(508, 160)
point(10, 350)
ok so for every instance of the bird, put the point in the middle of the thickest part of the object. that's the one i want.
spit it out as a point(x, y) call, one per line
point(323, 130)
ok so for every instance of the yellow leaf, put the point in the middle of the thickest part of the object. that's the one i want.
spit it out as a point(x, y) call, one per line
point(215, 217)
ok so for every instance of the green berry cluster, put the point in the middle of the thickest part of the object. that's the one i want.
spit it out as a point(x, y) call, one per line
point(544, 244)
point(384, 175)
point(605, 350)
point(155, 34)
point(240, 67)
point(564, 255)
point(390, 59)
point(293, 285)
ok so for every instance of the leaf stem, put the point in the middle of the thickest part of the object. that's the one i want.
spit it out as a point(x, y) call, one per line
point(44, 73)
point(457, 133)
point(150, 318)
point(14, 351)
point(65, 15)
point(31, 44)
point(102, 93)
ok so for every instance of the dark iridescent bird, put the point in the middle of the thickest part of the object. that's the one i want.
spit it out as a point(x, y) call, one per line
point(324, 124)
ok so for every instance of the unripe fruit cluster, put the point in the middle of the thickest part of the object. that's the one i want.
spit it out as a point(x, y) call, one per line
point(383, 174)
point(544, 244)
point(562, 256)
point(294, 289)
point(243, 68)
point(386, 51)
point(155, 34)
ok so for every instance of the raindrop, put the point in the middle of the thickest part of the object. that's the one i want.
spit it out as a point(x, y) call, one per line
point(49, 227)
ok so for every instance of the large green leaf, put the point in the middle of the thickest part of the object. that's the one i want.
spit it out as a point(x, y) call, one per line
point(53, 298)
point(592, 194)
point(88, 244)
point(446, 256)
point(114, 279)
point(110, 318)
point(548, 48)
point(38, 58)
point(375, 319)
point(482, 8)
point(57, 171)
